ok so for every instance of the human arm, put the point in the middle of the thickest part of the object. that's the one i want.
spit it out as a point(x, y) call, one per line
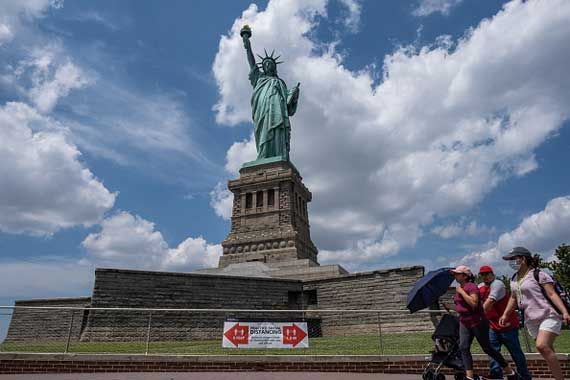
point(245, 35)
point(497, 292)
point(488, 304)
point(555, 298)
point(508, 310)
point(471, 299)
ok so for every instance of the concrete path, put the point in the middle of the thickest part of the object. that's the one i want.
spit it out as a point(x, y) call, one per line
point(215, 376)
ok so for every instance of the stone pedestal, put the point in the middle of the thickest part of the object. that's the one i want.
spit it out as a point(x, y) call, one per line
point(270, 222)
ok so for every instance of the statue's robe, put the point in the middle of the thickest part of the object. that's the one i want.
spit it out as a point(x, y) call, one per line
point(271, 106)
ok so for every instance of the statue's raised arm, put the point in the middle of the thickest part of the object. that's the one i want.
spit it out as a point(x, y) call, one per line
point(271, 105)
point(245, 34)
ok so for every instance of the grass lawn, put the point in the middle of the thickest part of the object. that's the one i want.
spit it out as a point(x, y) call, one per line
point(391, 344)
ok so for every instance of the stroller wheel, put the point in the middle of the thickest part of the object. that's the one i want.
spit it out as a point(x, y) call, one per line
point(440, 376)
point(428, 374)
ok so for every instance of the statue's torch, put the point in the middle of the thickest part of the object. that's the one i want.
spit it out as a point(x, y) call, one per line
point(245, 32)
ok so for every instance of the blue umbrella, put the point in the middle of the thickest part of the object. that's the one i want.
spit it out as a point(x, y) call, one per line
point(428, 289)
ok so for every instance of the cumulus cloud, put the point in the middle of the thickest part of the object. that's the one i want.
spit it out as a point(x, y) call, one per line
point(541, 233)
point(447, 123)
point(221, 200)
point(427, 7)
point(43, 185)
point(129, 241)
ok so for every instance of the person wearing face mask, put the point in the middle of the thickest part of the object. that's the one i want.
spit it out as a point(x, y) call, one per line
point(472, 323)
point(495, 298)
point(542, 321)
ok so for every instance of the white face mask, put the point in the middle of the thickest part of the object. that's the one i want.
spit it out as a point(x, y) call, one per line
point(514, 265)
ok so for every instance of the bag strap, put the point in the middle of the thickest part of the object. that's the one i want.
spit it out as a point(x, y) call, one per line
point(536, 273)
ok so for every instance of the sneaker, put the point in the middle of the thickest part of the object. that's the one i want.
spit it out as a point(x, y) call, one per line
point(513, 376)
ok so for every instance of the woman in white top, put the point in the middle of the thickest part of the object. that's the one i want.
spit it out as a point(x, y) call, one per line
point(542, 320)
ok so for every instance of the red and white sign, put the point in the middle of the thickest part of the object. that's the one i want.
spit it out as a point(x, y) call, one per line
point(265, 335)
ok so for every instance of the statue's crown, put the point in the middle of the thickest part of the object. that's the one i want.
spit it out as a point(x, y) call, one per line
point(269, 58)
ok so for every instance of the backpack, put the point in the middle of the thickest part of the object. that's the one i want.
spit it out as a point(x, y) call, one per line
point(562, 293)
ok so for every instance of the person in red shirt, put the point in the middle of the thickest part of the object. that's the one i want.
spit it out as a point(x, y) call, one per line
point(495, 298)
point(473, 324)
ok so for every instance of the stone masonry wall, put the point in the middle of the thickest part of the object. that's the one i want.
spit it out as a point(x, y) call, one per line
point(380, 290)
point(47, 324)
point(141, 289)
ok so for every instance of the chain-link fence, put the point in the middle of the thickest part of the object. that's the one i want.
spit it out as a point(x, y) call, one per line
point(201, 331)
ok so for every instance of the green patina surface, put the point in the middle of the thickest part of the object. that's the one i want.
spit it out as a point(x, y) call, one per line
point(264, 161)
point(271, 105)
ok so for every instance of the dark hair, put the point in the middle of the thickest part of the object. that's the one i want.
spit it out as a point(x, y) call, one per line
point(533, 261)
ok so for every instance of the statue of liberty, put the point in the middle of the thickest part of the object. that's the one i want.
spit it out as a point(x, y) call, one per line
point(271, 104)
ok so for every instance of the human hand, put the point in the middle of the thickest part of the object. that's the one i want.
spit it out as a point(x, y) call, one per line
point(503, 321)
point(566, 318)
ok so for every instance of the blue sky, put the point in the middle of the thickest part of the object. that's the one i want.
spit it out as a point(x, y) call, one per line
point(430, 132)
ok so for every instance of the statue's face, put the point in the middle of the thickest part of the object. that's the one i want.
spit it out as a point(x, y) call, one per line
point(269, 67)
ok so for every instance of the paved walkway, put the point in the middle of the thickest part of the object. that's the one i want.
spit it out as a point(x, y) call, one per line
point(214, 376)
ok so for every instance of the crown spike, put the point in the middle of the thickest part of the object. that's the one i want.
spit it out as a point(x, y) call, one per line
point(260, 57)
point(265, 52)
point(276, 58)
point(273, 52)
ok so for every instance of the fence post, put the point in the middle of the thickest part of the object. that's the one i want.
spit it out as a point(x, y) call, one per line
point(69, 333)
point(526, 340)
point(148, 332)
point(380, 334)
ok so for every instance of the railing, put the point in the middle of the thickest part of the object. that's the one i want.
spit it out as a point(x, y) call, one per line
point(199, 331)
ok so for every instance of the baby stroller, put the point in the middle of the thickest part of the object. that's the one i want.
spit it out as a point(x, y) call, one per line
point(446, 350)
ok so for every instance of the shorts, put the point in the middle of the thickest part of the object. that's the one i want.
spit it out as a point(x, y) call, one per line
point(554, 325)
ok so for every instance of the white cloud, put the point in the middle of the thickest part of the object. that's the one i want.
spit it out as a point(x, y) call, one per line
point(445, 126)
point(47, 92)
point(129, 241)
point(15, 13)
point(461, 228)
point(43, 185)
point(51, 74)
point(240, 152)
point(354, 9)
point(221, 200)
point(5, 33)
point(123, 124)
point(541, 233)
point(427, 7)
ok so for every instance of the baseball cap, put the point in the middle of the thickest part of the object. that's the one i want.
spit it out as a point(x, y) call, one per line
point(461, 269)
point(517, 251)
point(485, 269)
